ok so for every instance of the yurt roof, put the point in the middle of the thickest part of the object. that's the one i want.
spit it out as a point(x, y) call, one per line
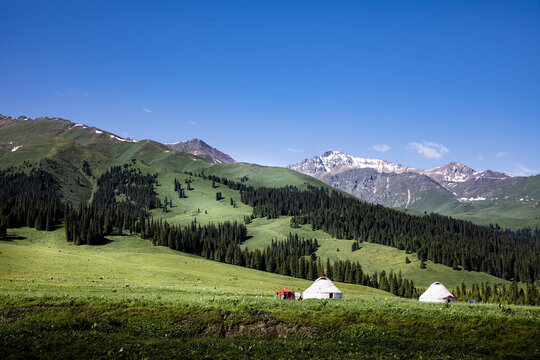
point(436, 291)
point(284, 290)
point(323, 285)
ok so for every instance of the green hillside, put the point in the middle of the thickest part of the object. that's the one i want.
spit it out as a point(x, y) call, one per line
point(33, 131)
point(46, 264)
point(372, 257)
point(257, 175)
point(64, 160)
point(200, 203)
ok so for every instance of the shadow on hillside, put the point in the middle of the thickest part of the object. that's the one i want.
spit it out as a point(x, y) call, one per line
point(11, 238)
point(102, 242)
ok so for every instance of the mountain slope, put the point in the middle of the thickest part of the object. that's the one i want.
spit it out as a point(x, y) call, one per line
point(388, 189)
point(21, 132)
point(64, 160)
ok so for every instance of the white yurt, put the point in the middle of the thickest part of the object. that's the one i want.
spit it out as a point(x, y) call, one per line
point(437, 292)
point(322, 288)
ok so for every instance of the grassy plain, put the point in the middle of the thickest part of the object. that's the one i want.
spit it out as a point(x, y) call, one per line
point(64, 301)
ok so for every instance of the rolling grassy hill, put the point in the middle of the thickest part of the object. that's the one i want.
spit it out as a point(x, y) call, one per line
point(257, 175)
point(63, 159)
point(45, 264)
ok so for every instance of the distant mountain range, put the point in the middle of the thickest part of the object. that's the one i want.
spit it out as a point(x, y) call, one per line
point(453, 189)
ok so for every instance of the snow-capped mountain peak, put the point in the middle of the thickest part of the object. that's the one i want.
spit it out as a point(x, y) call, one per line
point(456, 172)
point(453, 172)
point(333, 160)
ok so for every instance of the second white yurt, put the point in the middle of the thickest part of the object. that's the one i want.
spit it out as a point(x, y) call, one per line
point(322, 288)
point(437, 292)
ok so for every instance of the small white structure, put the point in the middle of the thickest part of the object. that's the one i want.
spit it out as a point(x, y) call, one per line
point(437, 292)
point(322, 288)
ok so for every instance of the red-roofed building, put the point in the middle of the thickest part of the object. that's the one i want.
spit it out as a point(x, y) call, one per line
point(285, 294)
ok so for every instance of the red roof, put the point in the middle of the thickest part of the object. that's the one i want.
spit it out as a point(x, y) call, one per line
point(284, 290)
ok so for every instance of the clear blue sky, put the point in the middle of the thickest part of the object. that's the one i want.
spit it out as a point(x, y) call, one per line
point(274, 82)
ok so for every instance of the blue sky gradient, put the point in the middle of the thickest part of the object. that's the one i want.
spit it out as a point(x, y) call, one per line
point(274, 82)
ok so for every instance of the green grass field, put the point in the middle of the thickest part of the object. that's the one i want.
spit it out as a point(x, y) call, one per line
point(64, 301)
point(43, 262)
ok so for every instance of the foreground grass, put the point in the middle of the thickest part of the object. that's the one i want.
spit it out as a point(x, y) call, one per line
point(240, 327)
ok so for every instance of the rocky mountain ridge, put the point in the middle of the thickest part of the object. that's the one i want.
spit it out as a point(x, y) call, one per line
point(330, 161)
point(201, 149)
point(396, 185)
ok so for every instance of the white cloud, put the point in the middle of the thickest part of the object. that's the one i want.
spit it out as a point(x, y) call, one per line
point(429, 149)
point(192, 122)
point(381, 147)
point(294, 150)
point(146, 110)
point(501, 154)
point(522, 170)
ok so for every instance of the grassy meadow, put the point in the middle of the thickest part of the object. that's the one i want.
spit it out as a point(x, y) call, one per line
point(64, 301)
point(40, 262)
point(202, 198)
